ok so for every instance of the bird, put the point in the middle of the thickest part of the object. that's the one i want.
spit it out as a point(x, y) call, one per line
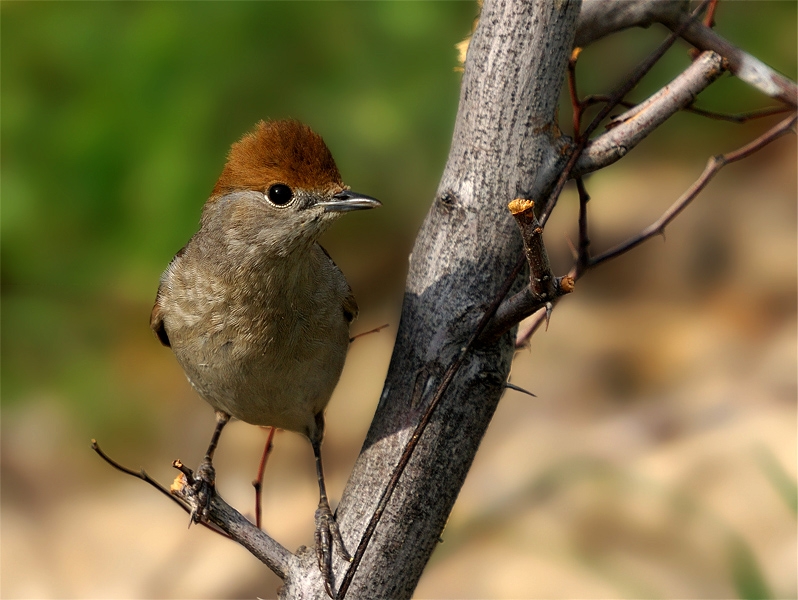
point(255, 310)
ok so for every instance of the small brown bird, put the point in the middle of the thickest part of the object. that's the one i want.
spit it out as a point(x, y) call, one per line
point(255, 310)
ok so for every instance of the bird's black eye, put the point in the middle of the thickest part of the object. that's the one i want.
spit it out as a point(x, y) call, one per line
point(279, 194)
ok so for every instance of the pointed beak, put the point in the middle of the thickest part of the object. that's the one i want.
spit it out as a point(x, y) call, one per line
point(347, 200)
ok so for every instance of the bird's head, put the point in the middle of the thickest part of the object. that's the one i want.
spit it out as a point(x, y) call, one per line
point(280, 189)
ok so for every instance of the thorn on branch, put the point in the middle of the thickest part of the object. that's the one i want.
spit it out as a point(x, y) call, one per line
point(511, 386)
point(583, 252)
point(370, 331)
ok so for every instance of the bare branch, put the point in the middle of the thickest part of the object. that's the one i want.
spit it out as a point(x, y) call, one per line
point(600, 18)
point(142, 474)
point(743, 117)
point(715, 164)
point(629, 129)
point(739, 118)
point(232, 522)
point(748, 68)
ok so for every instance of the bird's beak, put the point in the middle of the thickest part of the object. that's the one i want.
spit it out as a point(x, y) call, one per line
point(347, 200)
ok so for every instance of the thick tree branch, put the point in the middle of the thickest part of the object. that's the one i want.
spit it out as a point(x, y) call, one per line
point(630, 128)
point(464, 253)
point(600, 18)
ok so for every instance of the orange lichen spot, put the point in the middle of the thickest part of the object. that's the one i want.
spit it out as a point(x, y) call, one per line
point(178, 485)
point(567, 284)
point(520, 205)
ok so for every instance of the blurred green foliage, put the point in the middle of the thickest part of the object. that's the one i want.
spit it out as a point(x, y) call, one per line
point(116, 118)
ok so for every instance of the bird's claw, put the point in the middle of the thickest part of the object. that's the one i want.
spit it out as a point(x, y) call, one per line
point(202, 490)
point(328, 535)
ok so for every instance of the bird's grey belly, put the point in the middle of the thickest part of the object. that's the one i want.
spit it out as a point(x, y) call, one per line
point(277, 383)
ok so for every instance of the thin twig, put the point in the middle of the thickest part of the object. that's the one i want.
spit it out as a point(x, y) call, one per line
point(592, 99)
point(583, 250)
point(142, 474)
point(715, 164)
point(375, 330)
point(743, 117)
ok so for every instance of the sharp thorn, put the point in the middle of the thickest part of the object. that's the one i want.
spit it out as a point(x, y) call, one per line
point(511, 386)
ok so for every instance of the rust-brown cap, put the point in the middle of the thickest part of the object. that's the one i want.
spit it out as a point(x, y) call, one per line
point(279, 152)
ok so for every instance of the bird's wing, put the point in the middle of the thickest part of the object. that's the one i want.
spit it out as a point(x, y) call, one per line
point(157, 314)
point(156, 321)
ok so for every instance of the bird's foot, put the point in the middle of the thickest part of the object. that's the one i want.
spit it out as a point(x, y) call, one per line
point(328, 535)
point(200, 489)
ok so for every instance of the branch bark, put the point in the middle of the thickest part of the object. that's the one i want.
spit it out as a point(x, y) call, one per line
point(600, 18)
point(234, 524)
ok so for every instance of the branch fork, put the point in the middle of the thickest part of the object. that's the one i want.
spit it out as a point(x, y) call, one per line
point(544, 287)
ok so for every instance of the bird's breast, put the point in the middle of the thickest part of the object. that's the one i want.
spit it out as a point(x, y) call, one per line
point(265, 345)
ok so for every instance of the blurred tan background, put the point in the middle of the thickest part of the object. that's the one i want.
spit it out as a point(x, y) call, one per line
point(659, 457)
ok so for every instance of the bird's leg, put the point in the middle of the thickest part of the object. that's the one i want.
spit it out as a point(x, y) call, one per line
point(257, 483)
point(205, 477)
point(327, 532)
